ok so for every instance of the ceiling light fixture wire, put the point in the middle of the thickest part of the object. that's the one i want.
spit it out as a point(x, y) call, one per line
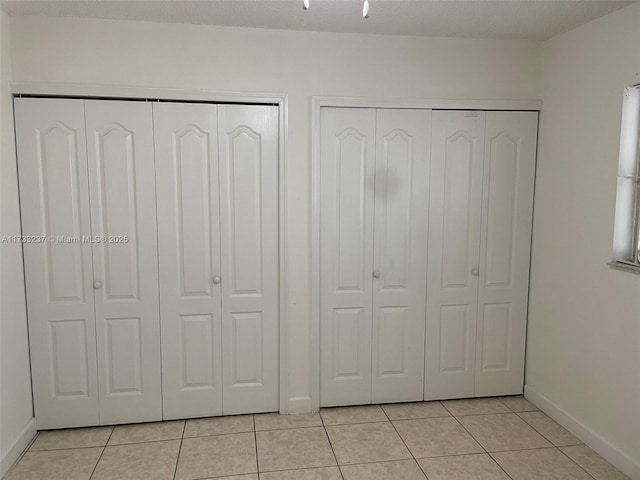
point(365, 7)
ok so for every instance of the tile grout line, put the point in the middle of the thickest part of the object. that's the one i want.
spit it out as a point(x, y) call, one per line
point(331, 444)
point(476, 440)
point(522, 449)
point(69, 448)
point(255, 444)
point(95, 467)
point(547, 438)
point(175, 470)
point(402, 419)
point(354, 423)
point(510, 412)
point(584, 469)
point(378, 461)
point(465, 429)
point(404, 443)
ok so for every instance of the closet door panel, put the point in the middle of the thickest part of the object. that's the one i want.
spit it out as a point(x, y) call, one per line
point(510, 154)
point(454, 246)
point(189, 258)
point(400, 254)
point(347, 156)
point(54, 201)
point(248, 145)
point(123, 220)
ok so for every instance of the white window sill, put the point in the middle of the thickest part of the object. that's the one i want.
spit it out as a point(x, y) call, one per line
point(625, 267)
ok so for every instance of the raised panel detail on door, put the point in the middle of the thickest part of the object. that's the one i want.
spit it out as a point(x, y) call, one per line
point(347, 172)
point(246, 352)
point(502, 207)
point(454, 339)
point(58, 166)
point(115, 158)
point(454, 245)
point(196, 352)
point(398, 159)
point(191, 167)
point(244, 210)
point(54, 199)
point(351, 171)
point(69, 361)
point(393, 340)
point(124, 356)
point(123, 216)
point(510, 153)
point(400, 254)
point(458, 211)
point(248, 152)
point(348, 348)
point(496, 344)
point(189, 258)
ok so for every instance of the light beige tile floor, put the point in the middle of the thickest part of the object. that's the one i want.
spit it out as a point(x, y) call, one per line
point(147, 432)
point(501, 432)
point(294, 448)
point(550, 429)
point(485, 439)
point(435, 437)
point(203, 427)
point(366, 442)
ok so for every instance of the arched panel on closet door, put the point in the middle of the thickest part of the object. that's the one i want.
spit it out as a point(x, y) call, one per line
point(125, 262)
point(54, 200)
point(189, 248)
point(454, 246)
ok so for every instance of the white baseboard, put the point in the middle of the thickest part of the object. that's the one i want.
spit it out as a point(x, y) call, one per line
point(14, 451)
point(299, 405)
point(615, 456)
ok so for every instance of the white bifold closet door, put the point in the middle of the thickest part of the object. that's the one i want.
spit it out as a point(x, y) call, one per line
point(374, 197)
point(347, 157)
point(189, 247)
point(92, 284)
point(505, 251)
point(125, 271)
point(400, 254)
point(217, 178)
point(482, 178)
point(248, 146)
point(457, 153)
point(54, 201)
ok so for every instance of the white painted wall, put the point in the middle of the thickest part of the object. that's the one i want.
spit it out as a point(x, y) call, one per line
point(300, 64)
point(583, 350)
point(16, 410)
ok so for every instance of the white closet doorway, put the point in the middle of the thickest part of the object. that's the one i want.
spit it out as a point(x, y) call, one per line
point(92, 280)
point(423, 221)
point(482, 179)
point(153, 290)
point(217, 169)
point(374, 179)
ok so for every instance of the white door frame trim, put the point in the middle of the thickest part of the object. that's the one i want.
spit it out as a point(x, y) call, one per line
point(194, 95)
point(317, 102)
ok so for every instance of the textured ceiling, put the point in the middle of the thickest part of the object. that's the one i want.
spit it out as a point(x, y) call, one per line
point(532, 19)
